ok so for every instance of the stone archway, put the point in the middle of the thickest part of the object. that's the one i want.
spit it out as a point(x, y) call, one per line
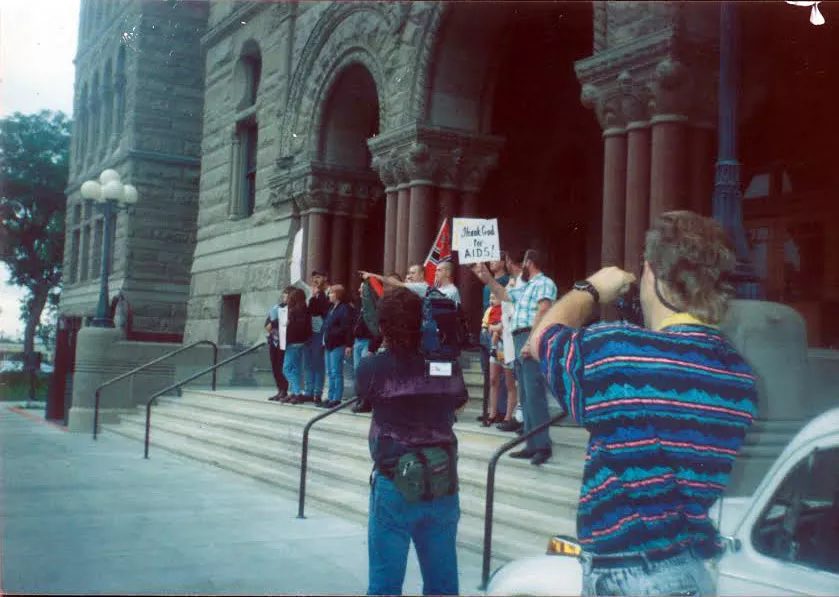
point(506, 71)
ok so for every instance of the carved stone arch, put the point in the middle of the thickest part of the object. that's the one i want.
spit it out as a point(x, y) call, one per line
point(353, 55)
point(360, 28)
point(421, 84)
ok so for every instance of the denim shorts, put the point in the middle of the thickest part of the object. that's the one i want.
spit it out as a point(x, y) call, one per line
point(683, 575)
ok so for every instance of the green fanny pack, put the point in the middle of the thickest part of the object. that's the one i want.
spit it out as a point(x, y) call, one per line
point(426, 474)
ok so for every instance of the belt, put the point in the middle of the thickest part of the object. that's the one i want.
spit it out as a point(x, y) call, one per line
point(630, 560)
point(521, 331)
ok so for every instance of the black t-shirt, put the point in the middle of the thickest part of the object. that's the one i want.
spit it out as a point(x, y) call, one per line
point(410, 408)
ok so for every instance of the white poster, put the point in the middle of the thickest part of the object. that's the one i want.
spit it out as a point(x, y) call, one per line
point(282, 317)
point(296, 265)
point(476, 240)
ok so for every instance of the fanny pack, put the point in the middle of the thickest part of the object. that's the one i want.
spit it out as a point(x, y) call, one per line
point(426, 474)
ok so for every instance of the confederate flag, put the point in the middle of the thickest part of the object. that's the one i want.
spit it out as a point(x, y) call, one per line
point(441, 251)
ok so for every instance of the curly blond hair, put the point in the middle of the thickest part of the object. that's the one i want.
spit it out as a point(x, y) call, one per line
point(694, 257)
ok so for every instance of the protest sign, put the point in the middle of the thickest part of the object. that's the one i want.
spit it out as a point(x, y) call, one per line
point(476, 240)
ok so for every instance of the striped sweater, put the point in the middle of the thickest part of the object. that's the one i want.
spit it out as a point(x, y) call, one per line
point(667, 412)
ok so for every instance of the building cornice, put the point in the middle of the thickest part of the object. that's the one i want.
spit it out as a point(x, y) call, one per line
point(638, 54)
point(242, 13)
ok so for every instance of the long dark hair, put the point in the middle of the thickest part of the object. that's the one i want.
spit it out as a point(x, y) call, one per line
point(400, 320)
point(296, 298)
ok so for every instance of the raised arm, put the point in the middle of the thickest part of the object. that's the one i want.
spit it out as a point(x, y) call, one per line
point(484, 275)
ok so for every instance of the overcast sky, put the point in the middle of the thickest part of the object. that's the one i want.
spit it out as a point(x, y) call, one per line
point(37, 47)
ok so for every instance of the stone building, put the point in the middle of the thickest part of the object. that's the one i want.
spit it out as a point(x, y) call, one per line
point(359, 126)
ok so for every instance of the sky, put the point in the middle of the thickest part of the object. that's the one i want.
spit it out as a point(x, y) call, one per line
point(37, 47)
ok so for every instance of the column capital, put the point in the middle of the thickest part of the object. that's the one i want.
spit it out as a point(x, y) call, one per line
point(317, 187)
point(667, 75)
point(439, 156)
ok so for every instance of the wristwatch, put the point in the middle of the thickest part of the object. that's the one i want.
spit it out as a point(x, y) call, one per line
point(586, 286)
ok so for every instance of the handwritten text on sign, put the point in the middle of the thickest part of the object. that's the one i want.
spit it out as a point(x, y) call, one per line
point(476, 240)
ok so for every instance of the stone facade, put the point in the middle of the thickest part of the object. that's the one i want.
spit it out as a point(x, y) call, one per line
point(140, 90)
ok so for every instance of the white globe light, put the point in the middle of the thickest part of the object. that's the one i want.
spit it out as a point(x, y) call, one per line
point(91, 190)
point(108, 176)
point(113, 190)
point(129, 194)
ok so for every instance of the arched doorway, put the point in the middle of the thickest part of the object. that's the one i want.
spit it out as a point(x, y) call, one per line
point(788, 144)
point(507, 69)
point(349, 118)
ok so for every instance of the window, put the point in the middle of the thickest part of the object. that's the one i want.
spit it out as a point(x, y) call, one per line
point(801, 523)
point(83, 268)
point(98, 229)
point(246, 135)
point(229, 319)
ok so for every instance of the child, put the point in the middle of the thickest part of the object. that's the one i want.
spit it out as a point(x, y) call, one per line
point(492, 324)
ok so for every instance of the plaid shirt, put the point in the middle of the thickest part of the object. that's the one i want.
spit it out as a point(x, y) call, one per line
point(526, 299)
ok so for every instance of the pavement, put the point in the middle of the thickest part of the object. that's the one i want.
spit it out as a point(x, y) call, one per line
point(85, 517)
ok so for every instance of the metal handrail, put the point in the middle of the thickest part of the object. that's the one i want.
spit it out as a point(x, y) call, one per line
point(183, 382)
point(145, 366)
point(490, 497)
point(304, 459)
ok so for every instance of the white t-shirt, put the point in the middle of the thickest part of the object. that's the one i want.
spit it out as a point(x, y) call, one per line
point(282, 316)
point(507, 309)
point(451, 292)
point(421, 288)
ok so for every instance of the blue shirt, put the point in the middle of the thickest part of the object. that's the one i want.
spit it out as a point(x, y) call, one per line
point(503, 281)
point(526, 299)
point(667, 412)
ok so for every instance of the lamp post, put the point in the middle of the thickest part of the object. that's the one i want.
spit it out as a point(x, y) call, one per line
point(111, 196)
point(728, 200)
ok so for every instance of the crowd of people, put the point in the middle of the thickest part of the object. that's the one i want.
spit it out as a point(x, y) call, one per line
point(667, 402)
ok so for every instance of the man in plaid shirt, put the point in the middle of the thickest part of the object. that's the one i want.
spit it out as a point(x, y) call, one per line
point(532, 296)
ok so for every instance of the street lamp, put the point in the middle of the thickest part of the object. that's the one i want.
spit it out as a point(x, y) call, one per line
point(111, 196)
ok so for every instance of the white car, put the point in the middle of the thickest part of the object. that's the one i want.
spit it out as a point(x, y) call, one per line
point(783, 540)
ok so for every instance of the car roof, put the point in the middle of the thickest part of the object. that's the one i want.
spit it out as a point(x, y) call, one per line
point(824, 424)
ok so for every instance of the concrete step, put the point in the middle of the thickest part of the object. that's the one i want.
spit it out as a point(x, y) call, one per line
point(239, 429)
point(512, 534)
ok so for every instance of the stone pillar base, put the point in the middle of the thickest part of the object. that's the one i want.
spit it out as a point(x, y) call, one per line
point(94, 348)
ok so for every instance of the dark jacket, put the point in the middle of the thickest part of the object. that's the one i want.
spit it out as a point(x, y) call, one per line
point(361, 331)
point(319, 304)
point(299, 326)
point(338, 326)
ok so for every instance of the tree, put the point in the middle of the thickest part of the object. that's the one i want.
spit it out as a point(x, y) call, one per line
point(34, 155)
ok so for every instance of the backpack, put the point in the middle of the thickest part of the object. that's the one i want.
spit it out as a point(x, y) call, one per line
point(444, 329)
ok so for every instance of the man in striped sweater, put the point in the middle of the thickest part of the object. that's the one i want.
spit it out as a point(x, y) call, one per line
point(667, 406)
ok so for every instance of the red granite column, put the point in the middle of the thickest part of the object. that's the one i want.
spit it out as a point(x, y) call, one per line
point(637, 193)
point(701, 169)
point(304, 259)
point(668, 178)
point(421, 217)
point(356, 246)
point(391, 208)
point(317, 242)
point(446, 202)
point(402, 227)
point(338, 241)
point(614, 196)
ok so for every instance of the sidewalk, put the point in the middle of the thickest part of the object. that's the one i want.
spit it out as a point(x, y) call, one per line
point(84, 517)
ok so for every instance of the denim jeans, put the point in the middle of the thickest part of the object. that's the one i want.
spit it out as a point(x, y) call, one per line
point(335, 372)
point(683, 575)
point(293, 367)
point(359, 351)
point(533, 396)
point(314, 366)
point(393, 522)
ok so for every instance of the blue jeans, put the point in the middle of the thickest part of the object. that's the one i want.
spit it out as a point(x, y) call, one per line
point(393, 522)
point(314, 366)
point(359, 351)
point(533, 396)
point(293, 367)
point(335, 373)
point(680, 575)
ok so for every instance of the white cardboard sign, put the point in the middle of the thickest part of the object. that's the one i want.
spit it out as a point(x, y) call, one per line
point(476, 240)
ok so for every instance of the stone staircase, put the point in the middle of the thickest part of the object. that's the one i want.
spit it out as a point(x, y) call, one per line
point(240, 430)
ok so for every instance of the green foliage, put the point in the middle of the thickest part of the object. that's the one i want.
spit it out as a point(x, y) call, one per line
point(34, 156)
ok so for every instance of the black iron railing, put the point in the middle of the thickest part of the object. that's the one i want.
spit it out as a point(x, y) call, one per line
point(304, 458)
point(143, 367)
point(185, 381)
point(490, 496)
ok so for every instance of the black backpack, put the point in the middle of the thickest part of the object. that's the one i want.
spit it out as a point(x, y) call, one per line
point(444, 329)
